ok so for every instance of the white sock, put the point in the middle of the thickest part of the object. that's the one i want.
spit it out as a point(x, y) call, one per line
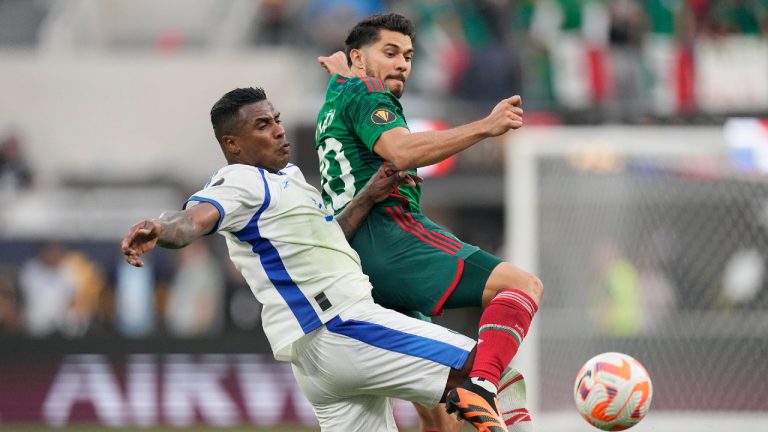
point(512, 401)
point(484, 383)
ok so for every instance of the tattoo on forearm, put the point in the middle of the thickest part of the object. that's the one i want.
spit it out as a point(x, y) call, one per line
point(352, 217)
point(176, 230)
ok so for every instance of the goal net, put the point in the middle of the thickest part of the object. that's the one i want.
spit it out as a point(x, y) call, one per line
point(652, 242)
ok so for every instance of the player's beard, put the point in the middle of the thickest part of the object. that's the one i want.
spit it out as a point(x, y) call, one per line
point(397, 92)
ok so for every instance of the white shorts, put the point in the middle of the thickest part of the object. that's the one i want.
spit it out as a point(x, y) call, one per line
point(351, 367)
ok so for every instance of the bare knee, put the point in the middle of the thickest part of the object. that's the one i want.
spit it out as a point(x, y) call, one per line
point(506, 276)
point(535, 288)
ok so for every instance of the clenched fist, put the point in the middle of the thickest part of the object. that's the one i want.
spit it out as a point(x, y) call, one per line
point(506, 115)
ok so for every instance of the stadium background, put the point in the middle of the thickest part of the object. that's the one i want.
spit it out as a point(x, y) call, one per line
point(636, 192)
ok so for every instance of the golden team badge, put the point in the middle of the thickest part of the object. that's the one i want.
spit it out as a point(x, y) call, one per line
point(382, 116)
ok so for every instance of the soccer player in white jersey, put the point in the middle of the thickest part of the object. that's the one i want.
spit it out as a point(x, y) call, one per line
point(349, 355)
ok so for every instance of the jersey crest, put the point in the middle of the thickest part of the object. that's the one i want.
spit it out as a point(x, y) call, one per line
point(382, 116)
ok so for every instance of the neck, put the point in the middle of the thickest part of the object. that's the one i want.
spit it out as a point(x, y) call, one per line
point(360, 74)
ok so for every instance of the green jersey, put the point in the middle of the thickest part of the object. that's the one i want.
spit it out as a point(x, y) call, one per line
point(355, 114)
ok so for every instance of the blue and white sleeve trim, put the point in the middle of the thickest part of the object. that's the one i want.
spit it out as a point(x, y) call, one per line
point(215, 204)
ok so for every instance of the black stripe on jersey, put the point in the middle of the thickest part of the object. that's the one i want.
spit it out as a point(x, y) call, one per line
point(323, 301)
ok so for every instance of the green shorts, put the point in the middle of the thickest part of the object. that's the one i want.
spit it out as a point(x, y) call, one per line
point(417, 266)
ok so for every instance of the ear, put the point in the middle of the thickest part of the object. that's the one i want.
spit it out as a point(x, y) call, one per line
point(357, 57)
point(230, 144)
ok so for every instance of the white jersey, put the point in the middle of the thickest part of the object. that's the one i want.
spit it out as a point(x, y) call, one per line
point(287, 245)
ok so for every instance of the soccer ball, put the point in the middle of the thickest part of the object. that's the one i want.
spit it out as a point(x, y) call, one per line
point(613, 391)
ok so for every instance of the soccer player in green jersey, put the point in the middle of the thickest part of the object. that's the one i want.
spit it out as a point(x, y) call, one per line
point(414, 264)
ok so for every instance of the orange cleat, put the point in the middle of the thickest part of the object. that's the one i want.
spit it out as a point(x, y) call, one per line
point(476, 405)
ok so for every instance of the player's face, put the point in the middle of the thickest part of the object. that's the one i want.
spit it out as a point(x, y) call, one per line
point(389, 59)
point(261, 137)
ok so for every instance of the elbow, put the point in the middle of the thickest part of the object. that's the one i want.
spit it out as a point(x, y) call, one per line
point(398, 151)
point(402, 160)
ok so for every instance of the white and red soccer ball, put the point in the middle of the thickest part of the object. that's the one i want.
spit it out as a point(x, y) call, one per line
point(613, 391)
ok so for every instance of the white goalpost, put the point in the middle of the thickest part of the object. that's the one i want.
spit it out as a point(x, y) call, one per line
point(651, 241)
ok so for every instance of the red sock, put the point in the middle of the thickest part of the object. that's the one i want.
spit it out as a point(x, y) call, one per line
point(503, 326)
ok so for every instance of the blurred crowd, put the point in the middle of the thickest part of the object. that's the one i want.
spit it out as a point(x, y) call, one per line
point(619, 59)
point(83, 290)
point(475, 50)
point(75, 289)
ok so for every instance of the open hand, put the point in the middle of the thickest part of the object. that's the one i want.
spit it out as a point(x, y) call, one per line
point(386, 179)
point(141, 238)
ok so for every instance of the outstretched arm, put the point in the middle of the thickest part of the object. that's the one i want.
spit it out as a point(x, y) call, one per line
point(411, 150)
point(378, 188)
point(171, 230)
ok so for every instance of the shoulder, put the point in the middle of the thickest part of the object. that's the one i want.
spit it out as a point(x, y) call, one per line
point(238, 179)
point(368, 93)
point(365, 85)
point(239, 173)
point(292, 170)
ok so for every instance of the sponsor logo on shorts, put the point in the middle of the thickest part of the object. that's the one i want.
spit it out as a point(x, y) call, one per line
point(382, 116)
